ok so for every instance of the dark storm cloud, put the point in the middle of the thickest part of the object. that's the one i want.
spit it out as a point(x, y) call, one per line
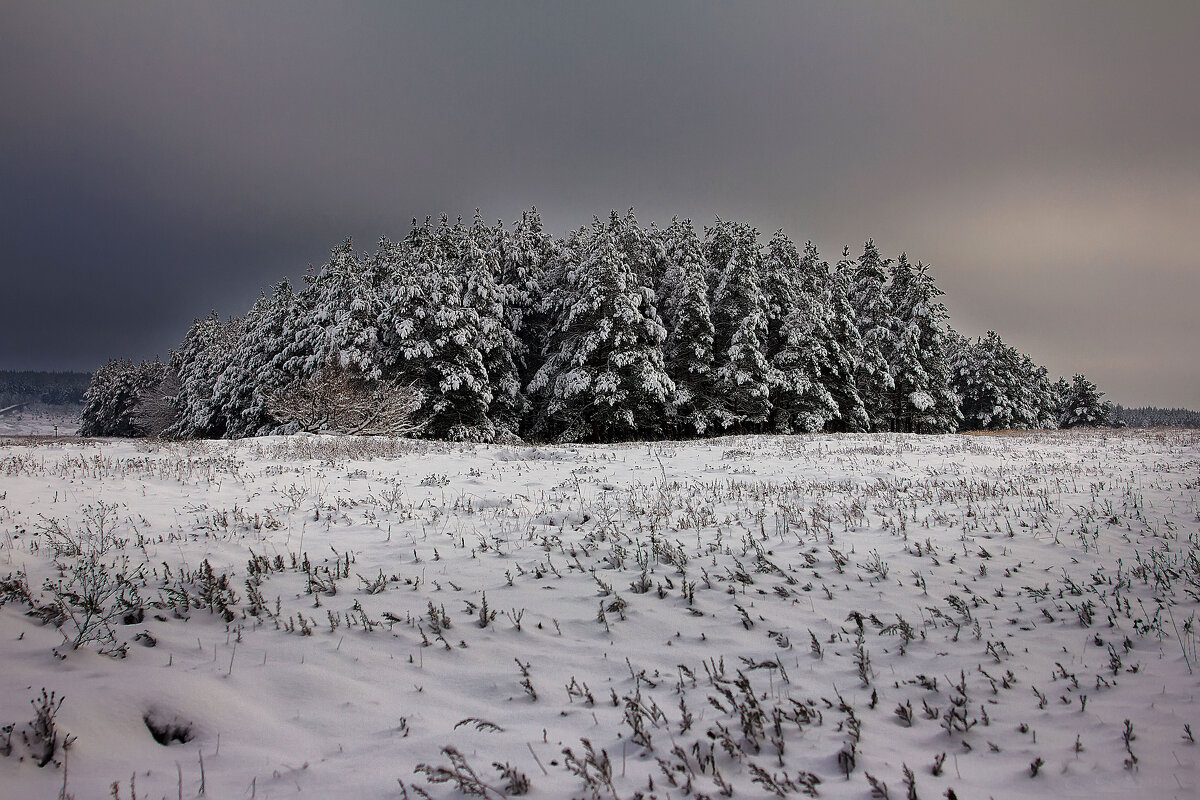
point(158, 161)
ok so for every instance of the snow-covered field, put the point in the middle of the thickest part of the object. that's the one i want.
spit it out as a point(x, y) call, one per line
point(970, 616)
point(38, 419)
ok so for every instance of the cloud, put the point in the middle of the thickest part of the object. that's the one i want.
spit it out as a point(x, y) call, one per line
point(168, 159)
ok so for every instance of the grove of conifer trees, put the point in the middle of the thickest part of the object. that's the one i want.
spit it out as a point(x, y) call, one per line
point(614, 332)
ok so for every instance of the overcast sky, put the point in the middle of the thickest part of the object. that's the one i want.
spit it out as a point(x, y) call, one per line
point(162, 160)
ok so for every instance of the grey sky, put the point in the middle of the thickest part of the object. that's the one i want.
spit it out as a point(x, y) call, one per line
point(158, 161)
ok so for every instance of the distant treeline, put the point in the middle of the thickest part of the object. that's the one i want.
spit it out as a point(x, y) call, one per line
point(1151, 417)
point(616, 331)
point(51, 388)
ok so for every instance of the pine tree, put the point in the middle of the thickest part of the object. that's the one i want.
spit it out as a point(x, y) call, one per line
point(525, 256)
point(843, 343)
point(1038, 395)
point(782, 286)
point(335, 319)
point(742, 374)
point(643, 250)
point(797, 340)
point(922, 400)
point(411, 272)
point(498, 342)
point(983, 375)
point(688, 350)
point(114, 394)
point(867, 293)
point(347, 313)
point(206, 352)
point(433, 331)
point(998, 387)
point(1081, 405)
point(603, 378)
point(256, 370)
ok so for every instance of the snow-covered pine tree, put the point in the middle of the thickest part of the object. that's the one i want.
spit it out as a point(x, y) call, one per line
point(556, 297)
point(688, 350)
point(867, 291)
point(1081, 405)
point(864, 292)
point(498, 342)
point(205, 353)
point(998, 387)
point(1038, 394)
point(431, 333)
point(742, 374)
point(640, 248)
point(782, 286)
point(256, 369)
point(796, 341)
point(603, 378)
point(335, 318)
point(922, 400)
point(114, 394)
point(983, 374)
point(290, 338)
point(525, 256)
point(348, 313)
point(843, 343)
point(408, 299)
point(449, 238)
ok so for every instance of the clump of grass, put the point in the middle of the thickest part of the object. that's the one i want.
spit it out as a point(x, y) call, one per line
point(466, 780)
point(1128, 737)
point(42, 736)
point(526, 683)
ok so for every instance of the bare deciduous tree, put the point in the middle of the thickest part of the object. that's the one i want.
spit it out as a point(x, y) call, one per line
point(156, 410)
point(333, 401)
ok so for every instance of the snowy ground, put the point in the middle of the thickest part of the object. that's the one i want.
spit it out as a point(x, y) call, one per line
point(38, 419)
point(999, 616)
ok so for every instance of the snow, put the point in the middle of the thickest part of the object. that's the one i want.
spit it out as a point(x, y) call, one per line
point(688, 582)
point(40, 419)
point(921, 400)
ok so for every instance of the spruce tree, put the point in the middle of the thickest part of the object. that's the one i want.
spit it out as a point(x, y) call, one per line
point(797, 340)
point(867, 277)
point(206, 352)
point(642, 248)
point(433, 331)
point(983, 375)
point(921, 399)
point(866, 289)
point(843, 343)
point(114, 394)
point(347, 313)
point(999, 387)
point(688, 350)
point(1038, 395)
point(334, 319)
point(524, 259)
point(741, 373)
point(256, 370)
point(603, 378)
point(498, 342)
point(1081, 405)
